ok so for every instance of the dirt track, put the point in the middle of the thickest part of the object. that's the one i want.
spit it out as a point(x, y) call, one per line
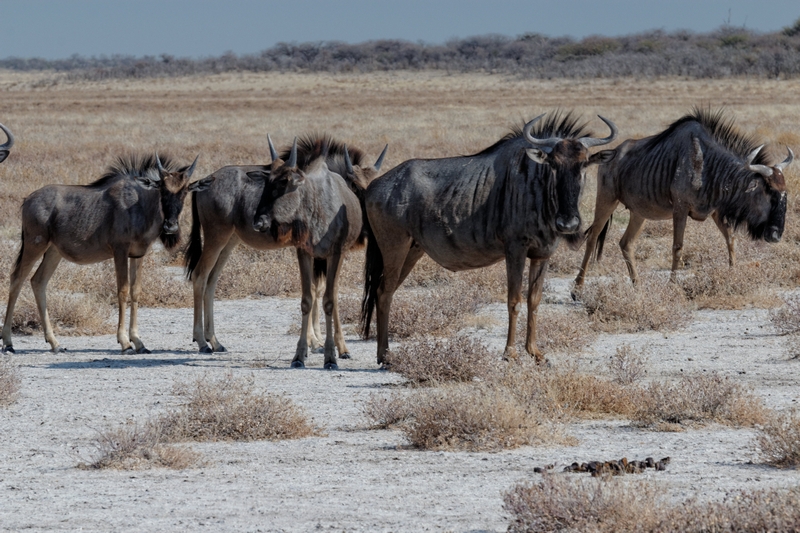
point(351, 478)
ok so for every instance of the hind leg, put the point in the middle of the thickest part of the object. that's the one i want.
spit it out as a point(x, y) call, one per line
point(211, 289)
point(39, 281)
point(317, 293)
point(626, 244)
point(28, 256)
point(207, 269)
point(331, 305)
point(136, 290)
point(602, 213)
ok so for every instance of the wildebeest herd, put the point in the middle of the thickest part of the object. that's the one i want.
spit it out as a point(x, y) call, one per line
point(515, 200)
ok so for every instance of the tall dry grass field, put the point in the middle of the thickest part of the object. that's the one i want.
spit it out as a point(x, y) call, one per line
point(68, 132)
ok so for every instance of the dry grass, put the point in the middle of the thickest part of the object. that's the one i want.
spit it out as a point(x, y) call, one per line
point(385, 411)
point(778, 440)
point(453, 359)
point(613, 505)
point(627, 366)
point(139, 448)
point(715, 286)
point(786, 320)
point(558, 331)
point(616, 305)
point(230, 409)
point(698, 398)
point(250, 272)
point(9, 382)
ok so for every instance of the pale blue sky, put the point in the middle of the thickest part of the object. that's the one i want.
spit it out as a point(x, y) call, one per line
point(55, 29)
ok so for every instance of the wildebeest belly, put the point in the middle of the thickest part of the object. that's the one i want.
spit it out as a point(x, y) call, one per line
point(650, 209)
point(454, 253)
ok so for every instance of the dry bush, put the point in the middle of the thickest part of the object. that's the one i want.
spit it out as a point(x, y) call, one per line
point(386, 411)
point(559, 331)
point(137, 448)
point(9, 382)
point(251, 272)
point(627, 366)
point(698, 398)
point(616, 305)
point(778, 440)
point(229, 409)
point(562, 391)
point(618, 505)
point(70, 314)
point(714, 286)
point(786, 319)
point(474, 417)
point(453, 359)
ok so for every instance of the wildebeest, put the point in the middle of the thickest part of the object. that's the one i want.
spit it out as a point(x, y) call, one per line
point(700, 166)
point(6, 147)
point(512, 201)
point(225, 217)
point(118, 216)
point(315, 210)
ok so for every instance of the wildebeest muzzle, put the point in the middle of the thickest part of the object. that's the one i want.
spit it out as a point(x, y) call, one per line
point(567, 224)
point(262, 223)
point(170, 227)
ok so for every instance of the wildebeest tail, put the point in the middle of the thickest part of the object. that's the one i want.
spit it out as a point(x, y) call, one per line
point(373, 275)
point(195, 246)
point(320, 268)
point(601, 239)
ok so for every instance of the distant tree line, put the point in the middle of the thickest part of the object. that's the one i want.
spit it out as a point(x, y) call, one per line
point(725, 52)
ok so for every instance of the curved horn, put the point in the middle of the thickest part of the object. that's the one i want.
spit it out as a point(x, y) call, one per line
point(293, 156)
point(10, 143)
point(588, 142)
point(764, 170)
point(786, 162)
point(272, 152)
point(161, 169)
point(379, 162)
point(546, 145)
point(191, 168)
point(347, 162)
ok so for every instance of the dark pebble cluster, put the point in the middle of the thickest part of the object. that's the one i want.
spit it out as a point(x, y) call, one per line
point(613, 468)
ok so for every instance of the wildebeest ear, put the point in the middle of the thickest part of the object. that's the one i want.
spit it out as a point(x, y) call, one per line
point(259, 175)
point(298, 178)
point(536, 155)
point(146, 182)
point(3, 155)
point(201, 185)
point(753, 185)
point(603, 156)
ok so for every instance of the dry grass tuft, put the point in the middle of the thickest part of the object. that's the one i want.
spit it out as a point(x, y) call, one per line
point(559, 331)
point(138, 448)
point(616, 305)
point(713, 286)
point(70, 314)
point(627, 366)
point(786, 321)
point(561, 503)
point(474, 417)
point(779, 440)
point(387, 411)
point(9, 382)
point(251, 272)
point(229, 409)
point(454, 359)
point(699, 398)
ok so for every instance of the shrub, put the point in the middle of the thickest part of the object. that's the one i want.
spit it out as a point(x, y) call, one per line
point(716, 286)
point(136, 448)
point(626, 365)
point(779, 440)
point(455, 359)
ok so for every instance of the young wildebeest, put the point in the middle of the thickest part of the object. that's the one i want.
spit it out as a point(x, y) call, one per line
point(699, 166)
point(118, 216)
point(316, 211)
point(226, 212)
point(6, 147)
point(512, 201)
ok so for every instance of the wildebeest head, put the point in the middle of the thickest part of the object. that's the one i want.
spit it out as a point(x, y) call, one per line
point(765, 198)
point(280, 197)
point(173, 187)
point(568, 159)
point(6, 147)
point(360, 176)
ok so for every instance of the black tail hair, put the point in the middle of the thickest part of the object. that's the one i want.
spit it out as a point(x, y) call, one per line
point(195, 247)
point(601, 239)
point(373, 276)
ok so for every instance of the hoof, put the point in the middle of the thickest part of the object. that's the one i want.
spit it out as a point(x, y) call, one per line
point(8, 349)
point(385, 367)
point(206, 349)
point(331, 366)
point(143, 350)
point(345, 355)
point(574, 296)
point(297, 364)
point(59, 349)
point(221, 349)
point(128, 351)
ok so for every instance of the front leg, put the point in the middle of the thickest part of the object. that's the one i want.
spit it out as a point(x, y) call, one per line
point(136, 290)
point(121, 268)
point(679, 217)
point(515, 265)
point(306, 263)
point(727, 233)
point(331, 306)
point(535, 286)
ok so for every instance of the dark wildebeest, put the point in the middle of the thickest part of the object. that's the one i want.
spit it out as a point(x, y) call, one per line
point(700, 165)
point(118, 216)
point(316, 211)
point(512, 201)
point(6, 147)
point(225, 215)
